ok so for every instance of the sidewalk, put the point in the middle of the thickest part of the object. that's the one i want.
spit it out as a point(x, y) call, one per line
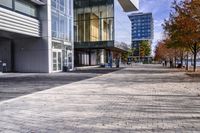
point(140, 99)
point(13, 85)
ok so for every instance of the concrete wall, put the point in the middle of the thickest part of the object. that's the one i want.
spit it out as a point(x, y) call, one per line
point(31, 55)
point(5, 54)
point(45, 20)
point(34, 54)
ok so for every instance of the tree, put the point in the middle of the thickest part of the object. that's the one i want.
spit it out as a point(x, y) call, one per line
point(128, 54)
point(145, 49)
point(183, 27)
point(163, 52)
point(160, 51)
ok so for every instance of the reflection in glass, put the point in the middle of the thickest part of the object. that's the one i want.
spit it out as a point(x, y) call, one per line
point(93, 22)
point(61, 20)
point(25, 7)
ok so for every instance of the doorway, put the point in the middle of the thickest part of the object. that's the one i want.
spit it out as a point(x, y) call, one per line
point(57, 60)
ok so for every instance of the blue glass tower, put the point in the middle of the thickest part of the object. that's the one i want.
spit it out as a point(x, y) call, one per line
point(142, 29)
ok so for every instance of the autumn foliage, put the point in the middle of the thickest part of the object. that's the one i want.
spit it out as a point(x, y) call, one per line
point(182, 31)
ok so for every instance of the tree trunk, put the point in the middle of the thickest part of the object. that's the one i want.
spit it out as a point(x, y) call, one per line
point(195, 57)
point(195, 62)
point(187, 62)
point(181, 59)
point(175, 61)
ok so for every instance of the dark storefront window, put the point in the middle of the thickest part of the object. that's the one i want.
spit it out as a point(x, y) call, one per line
point(94, 20)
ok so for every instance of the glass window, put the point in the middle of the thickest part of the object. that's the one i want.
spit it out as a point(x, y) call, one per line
point(55, 25)
point(25, 7)
point(94, 32)
point(70, 7)
point(70, 29)
point(66, 29)
point(59, 61)
point(6, 3)
point(54, 3)
point(94, 20)
point(54, 61)
point(61, 20)
point(56, 45)
point(62, 5)
point(62, 28)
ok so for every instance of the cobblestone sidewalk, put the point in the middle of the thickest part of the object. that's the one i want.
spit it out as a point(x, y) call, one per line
point(143, 99)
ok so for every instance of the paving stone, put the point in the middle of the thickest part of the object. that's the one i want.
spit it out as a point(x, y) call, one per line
point(138, 99)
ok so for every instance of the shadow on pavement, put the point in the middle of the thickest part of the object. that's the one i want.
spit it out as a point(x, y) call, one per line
point(15, 86)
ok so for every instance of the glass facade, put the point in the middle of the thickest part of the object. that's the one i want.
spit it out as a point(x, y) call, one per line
point(22, 6)
point(142, 26)
point(62, 20)
point(142, 29)
point(62, 34)
point(100, 29)
point(136, 46)
point(94, 20)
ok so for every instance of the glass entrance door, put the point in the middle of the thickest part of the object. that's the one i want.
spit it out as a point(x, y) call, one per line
point(57, 61)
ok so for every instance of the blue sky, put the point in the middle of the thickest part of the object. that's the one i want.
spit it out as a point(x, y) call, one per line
point(160, 10)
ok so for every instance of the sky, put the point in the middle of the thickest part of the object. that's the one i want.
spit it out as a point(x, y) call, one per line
point(160, 10)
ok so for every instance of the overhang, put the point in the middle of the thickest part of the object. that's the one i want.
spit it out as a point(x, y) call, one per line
point(112, 45)
point(94, 45)
point(129, 5)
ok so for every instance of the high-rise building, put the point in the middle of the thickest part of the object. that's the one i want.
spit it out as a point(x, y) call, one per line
point(36, 35)
point(101, 30)
point(142, 30)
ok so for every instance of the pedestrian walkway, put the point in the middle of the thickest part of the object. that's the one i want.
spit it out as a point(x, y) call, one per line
point(138, 99)
point(13, 85)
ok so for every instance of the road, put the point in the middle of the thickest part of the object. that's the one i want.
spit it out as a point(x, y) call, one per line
point(143, 99)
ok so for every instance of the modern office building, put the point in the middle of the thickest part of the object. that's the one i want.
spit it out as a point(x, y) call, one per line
point(36, 35)
point(101, 30)
point(142, 29)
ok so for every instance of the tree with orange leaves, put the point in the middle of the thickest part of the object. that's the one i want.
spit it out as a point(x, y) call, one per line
point(183, 27)
point(163, 52)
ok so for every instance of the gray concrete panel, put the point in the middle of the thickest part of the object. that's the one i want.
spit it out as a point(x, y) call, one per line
point(31, 55)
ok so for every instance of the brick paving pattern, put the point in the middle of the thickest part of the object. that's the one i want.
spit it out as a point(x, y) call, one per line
point(139, 99)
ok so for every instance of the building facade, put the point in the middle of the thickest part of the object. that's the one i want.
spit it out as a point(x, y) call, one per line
point(36, 35)
point(99, 35)
point(142, 30)
point(62, 34)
